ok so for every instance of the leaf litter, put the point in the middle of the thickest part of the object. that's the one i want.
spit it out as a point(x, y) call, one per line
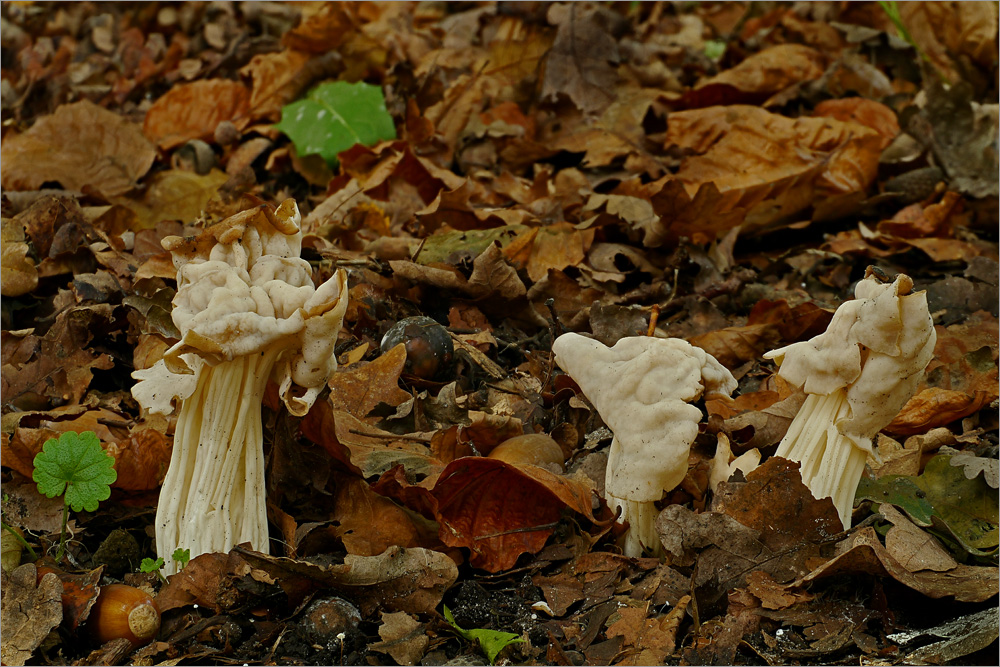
point(721, 173)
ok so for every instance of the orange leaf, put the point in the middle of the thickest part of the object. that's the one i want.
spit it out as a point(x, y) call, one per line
point(193, 110)
point(359, 389)
point(495, 509)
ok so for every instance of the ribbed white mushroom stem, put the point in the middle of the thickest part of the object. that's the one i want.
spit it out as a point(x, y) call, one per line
point(831, 465)
point(213, 496)
point(641, 518)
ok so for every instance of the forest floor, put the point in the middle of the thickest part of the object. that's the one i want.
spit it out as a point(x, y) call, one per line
point(722, 173)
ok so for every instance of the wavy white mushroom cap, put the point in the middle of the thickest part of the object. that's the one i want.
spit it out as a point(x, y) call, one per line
point(877, 346)
point(642, 388)
point(242, 289)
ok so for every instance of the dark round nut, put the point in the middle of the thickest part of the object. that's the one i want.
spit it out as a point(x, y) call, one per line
point(429, 349)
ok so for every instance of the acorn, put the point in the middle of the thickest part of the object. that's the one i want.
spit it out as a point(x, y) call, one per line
point(124, 611)
point(428, 345)
point(532, 448)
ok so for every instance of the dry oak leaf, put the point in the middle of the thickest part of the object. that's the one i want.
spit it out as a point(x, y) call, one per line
point(403, 638)
point(193, 110)
point(648, 641)
point(276, 80)
point(31, 608)
point(759, 77)
point(81, 145)
point(359, 389)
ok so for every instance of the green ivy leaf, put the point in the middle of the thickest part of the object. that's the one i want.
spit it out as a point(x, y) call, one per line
point(334, 117)
point(77, 466)
point(491, 641)
point(150, 565)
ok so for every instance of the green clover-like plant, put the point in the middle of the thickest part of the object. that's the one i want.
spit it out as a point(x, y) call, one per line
point(334, 117)
point(181, 557)
point(490, 641)
point(149, 565)
point(77, 468)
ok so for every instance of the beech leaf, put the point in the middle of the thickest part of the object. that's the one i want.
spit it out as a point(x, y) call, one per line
point(335, 117)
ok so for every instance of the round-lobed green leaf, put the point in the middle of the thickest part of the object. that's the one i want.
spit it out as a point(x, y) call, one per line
point(77, 466)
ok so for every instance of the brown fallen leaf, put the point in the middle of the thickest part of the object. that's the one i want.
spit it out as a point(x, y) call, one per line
point(403, 638)
point(495, 509)
point(173, 194)
point(913, 548)
point(369, 523)
point(193, 111)
point(648, 641)
point(81, 145)
point(30, 609)
point(863, 552)
point(357, 390)
point(410, 580)
point(579, 64)
point(758, 77)
point(18, 274)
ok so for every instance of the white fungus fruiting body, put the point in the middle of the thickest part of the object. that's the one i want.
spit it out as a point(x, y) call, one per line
point(857, 375)
point(248, 311)
point(643, 388)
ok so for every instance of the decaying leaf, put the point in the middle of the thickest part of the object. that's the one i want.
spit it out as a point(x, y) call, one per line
point(403, 638)
point(80, 145)
point(32, 607)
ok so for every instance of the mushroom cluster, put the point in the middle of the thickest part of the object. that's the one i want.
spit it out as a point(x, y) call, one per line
point(857, 375)
point(248, 311)
point(643, 388)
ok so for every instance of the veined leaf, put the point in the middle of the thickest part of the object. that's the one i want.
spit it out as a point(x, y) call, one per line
point(336, 116)
point(76, 465)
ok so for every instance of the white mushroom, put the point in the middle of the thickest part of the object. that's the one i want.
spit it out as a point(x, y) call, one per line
point(857, 375)
point(247, 311)
point(643, 388)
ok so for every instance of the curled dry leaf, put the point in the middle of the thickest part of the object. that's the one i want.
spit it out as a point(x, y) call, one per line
point(18, 274)
point(863, 553)
point(81, 145)
point(757, 168)
point(193, 110)
point(759, 76)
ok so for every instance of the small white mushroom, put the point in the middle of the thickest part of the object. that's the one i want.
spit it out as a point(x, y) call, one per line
point(857, 375)
point(247, 311)
point(643, 388)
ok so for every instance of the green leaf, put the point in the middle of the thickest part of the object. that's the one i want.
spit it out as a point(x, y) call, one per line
point(181, 556)
point(75, 465)
point(150, 565)
point(490, 641)
point(336, 116)
point(941, 497)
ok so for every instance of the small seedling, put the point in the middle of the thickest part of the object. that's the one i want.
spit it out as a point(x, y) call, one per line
point(181, 557)
point(77, 468)
point(149, 565)
point(490, 641)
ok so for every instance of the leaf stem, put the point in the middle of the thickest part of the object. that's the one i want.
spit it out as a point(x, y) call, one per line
point(62, 534)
